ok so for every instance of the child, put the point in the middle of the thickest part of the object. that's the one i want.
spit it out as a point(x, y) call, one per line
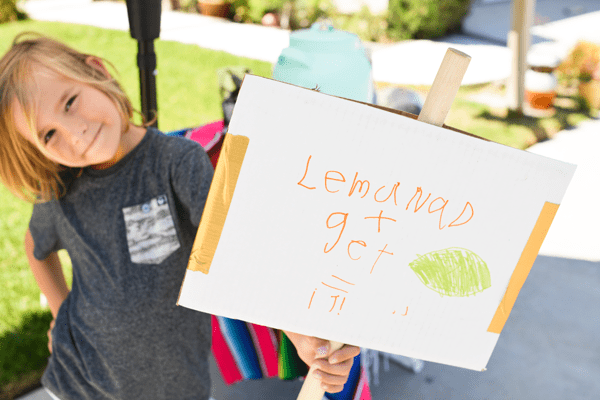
point(125, 201)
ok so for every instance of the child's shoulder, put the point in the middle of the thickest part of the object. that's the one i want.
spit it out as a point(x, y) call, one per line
point(175, 150)
point(174, 142)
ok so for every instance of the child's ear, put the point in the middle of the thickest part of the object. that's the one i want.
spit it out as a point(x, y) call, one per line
point(97, 63)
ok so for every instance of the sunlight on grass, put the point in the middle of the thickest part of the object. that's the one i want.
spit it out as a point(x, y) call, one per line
point(503, 126)
point(19, 292)
point(465, 115)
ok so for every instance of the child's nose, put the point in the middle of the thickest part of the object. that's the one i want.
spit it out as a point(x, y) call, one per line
point(77, 131)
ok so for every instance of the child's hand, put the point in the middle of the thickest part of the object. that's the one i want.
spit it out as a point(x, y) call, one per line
point(50, 336)
point(333, 369)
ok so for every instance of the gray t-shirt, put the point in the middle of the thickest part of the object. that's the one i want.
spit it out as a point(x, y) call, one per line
point(129, 231)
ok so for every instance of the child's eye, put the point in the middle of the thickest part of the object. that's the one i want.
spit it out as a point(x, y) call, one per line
point(49, 135)
point(70, 103)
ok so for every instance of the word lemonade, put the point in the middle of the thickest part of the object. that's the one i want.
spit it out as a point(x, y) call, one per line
point(451, 272)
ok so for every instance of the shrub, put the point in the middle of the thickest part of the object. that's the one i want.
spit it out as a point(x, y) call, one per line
point(240, 10)
point(582, 63)
point(307, 12)
point(258, 8)
point(364, 23)
point(9, 11)
point(425, 19)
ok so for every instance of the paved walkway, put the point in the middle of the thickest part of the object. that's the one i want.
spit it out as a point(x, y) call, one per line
point(549, 348)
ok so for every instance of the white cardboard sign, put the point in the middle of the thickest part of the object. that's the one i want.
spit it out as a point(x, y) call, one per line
point(359, 225)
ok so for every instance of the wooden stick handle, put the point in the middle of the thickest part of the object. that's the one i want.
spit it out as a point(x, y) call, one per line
point(311, 388)
point(444, 88)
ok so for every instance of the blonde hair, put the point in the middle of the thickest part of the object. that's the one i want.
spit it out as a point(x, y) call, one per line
point(24, 169)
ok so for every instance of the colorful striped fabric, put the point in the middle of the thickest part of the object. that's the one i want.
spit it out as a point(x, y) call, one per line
point(223, 356)
point(362, 391)
point(238, 339)
point(246, 351)
point(265, 340)
point(290, 364)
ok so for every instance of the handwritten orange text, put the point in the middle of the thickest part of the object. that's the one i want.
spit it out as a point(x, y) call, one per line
point(389, 200)
point(335, 182)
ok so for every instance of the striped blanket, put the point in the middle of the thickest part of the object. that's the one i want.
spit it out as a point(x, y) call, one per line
point(245, 351)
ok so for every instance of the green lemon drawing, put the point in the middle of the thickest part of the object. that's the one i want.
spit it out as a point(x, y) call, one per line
point(452, 272)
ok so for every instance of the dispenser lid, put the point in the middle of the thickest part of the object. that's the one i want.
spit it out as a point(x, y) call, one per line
point(321, 36)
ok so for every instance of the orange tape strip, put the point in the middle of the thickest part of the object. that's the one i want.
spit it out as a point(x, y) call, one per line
point(218, 201)
point(523, 267)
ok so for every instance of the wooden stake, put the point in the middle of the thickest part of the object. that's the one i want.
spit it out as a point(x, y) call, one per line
point(311, 388)
point(436, 107)
point(444, 88)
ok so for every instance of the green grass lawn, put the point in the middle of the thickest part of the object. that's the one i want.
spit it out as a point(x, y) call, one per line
point(500, 125)
point(509, 128)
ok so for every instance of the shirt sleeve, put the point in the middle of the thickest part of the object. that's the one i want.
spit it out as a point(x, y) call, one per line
point(191, 181)
point(43, 230)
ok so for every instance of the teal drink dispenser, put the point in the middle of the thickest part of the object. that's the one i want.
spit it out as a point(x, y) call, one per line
point(331, 60)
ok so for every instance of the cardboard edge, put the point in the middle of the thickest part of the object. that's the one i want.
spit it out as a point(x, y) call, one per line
point(530, 252)
point(415, 117)
point(219, 199)
point(392, 110)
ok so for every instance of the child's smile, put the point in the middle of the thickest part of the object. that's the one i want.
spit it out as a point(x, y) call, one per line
point(77, 124)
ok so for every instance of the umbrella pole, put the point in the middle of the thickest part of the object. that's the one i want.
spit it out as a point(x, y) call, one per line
point(147, 66)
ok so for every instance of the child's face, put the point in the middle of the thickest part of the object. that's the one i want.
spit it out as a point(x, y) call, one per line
point(78, 125)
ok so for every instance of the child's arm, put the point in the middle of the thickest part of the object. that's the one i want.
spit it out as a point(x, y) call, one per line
point(313, 350)
point(48, 274)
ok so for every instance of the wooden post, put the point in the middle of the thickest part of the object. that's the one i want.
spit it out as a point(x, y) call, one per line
point(436, 107)
point(518, 42)
point(444, 87)
point(311, 388)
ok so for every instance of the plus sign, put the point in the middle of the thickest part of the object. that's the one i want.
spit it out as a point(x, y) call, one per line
point(379, 218)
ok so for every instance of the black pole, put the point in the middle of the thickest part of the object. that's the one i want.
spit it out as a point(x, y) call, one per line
point(144, 25)
point(147, 65)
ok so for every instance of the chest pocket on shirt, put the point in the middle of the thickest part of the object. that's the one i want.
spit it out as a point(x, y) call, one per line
point(151, 234)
